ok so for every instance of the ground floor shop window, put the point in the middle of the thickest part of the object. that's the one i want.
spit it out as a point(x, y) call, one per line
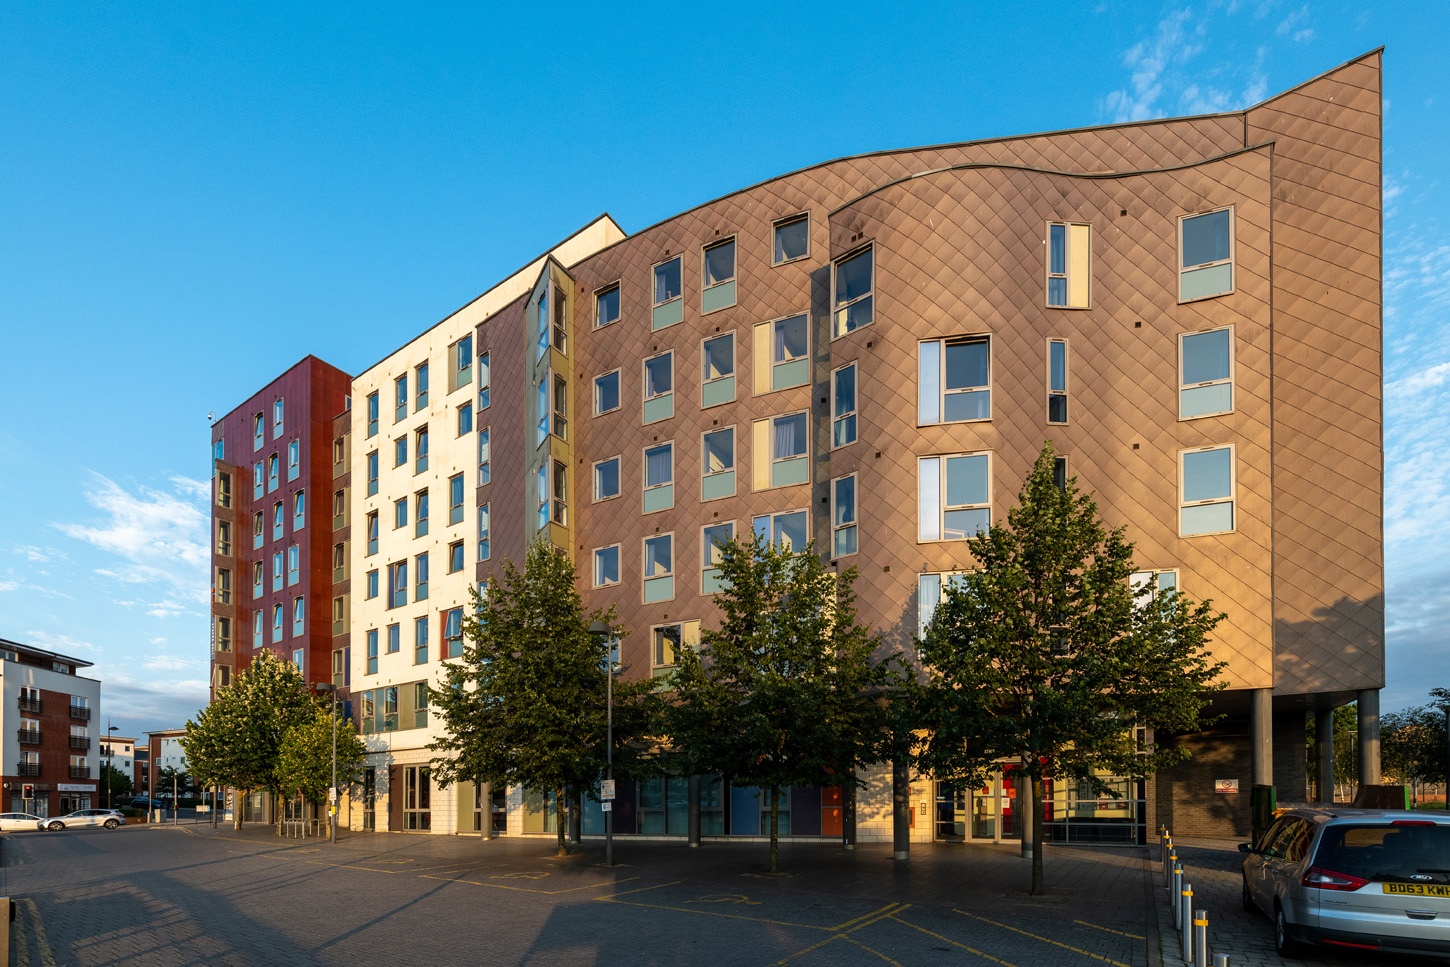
point(541, 811)
point(417, 798)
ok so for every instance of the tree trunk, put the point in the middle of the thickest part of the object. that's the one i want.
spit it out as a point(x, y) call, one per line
point(774, 830)
point(237, 809)
point(1037, 843)
point(561, 821)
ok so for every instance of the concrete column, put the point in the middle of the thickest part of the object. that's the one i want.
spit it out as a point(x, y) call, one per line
point(901, 810)
point(1024, 809)
point(692, 799)
point(1261, 736)
point(1324, 753)
point(1369, 736)
point(485, 810)
point(848, 817)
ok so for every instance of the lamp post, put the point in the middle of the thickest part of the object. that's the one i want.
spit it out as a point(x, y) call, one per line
point(604, 631)
point(331, 689)
point(110, 756)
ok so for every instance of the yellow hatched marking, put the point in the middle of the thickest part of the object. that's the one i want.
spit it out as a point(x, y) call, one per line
point(1049, 940)
point(1120, 933)
point(871, 950)
point(516, 889)
point(643, 889)
point(886, 911)
point(850, 926)
point(42, 943)
point(711, 913)
point(971, 950)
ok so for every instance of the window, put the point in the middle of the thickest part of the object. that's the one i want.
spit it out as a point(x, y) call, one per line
point(782, 354)
point(461, 356)
point(606, 393)
point(659, 574)
point(372, 414)
point(606, 479)
point(668, 306)
point(453, 633)
point(420, 641)
point(483, 382)
point(711, 538)
point(276, 623)
point(780, 446)
point(659, 477)
point(843, 406)
point(1057, 381)
point(929, 591)
point(400, 398)
point(400, 451)
point(1069, 265)
point(553, 407)
point(788, 531)
point(1205, 367)
point(372, 522)
point(717, 381)
point(561, 407)
point(561, 321)
point(273, 465)
point(278, 408)
point(420, 448)
point(718, 290)
point(277, 571)
point(843, 516)
point(851, 285)
point(294, 564)
point(606, 306)
point(954, 497)
point(372, 639)
point(484, 471)
point(1205, 244)
point(659, 385)
point(372, 472)
point(259, 527)
point(256, 629)
point(294, 459)
point(465, 419)
point(299, 617)
point(792, 239)
point(259, 431)
point(223, 591)
point(223, 633)
point(372, 589)
point(299, 510)
point(420, 514)
point(1147, 586)
point(223, 489)
point(224, 538)
point(1059, 473)
point(256, 481)
point(1207, 482)
point(277, 521)
point(455, 499)
point(395, 639)
point(339, 562)
point(543, 322)
point(717, 465)
point(484, 550)
point(400, 513)
point(667, 640)
point(257, 580)
point(954, 380)
point(420, 386)
point(606, 566)
point(455, 557)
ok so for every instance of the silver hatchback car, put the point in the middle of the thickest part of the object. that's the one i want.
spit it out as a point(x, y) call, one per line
point(1368, 879)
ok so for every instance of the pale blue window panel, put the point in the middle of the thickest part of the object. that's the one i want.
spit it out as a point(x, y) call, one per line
point(1206, 243)
point(1206, 361)
point(420, 641)
point(718, 376)
point(718, 464)
point(659, 580)
point(277, 521)
point(719, 277)
point(299, 510)
point(659, 478)
point(668, 307)
point(1208, 492)
point(710, 556)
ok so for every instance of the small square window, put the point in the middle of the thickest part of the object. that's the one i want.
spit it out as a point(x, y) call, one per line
point(606, 393)
point(606, 306)
point(606, 566)
point(792, 239)
point(606, 479)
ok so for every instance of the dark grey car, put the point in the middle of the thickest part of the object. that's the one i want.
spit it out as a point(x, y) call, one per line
point(1369, 879)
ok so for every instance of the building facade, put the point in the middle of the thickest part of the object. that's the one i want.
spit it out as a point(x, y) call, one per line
point(49, 759)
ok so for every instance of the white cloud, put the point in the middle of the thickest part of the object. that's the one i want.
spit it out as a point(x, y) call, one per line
point(64, 644)
point(1293, 27)
point(171, 663)
point(1149, 60)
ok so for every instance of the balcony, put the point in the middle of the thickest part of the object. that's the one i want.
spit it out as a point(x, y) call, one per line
point(82, 712)
point(29, 704)
point(80, 742)
point(29, 736)
point(28, 769)
point(80, 772)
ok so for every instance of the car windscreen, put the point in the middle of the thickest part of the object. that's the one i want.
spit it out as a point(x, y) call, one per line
point(1405, 852)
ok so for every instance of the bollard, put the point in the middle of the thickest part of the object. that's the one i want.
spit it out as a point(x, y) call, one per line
point(1220, 960)
point(1163, 847)
point(1200, 938)
point(1175, 894)
point(1168, 862)
point(1185, 912)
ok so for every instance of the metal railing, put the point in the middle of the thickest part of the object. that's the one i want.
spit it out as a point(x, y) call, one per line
point(80, 742)
point(28, 769)
point(1099, 822)
point(80, 712)
point(29, 704)
point(80, 772)
point(29, 736)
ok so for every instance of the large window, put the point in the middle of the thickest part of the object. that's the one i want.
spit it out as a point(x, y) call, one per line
point(461, 356)
point(659, 570)
point(712, 537)
point(606, 479)
point(1069, 265)
point(789, 530)
point(453, 633)
point(606, 566)
point(843, 406)
point(1057, 381)
point(843, 516)
point(1205, 245)
point(606, 306)
point(718, 264)
point(782, 354)
point(780, 447)
point(792, 239)
point(668, 305)
point(667, 640)
point(606, 393)
point(659, 388)
point(954, 380)
point(372, 414)
point(717, 377)
point(851, 292)
point(717, 464)
point(954, 496)
point(1205, 367)
point(1207, 486)
point(397, 584)
point(659, 477)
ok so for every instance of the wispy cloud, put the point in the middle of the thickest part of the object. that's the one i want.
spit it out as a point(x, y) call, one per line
point(172, 663)
point(1150, 60)
point(64, 644)
point(1295, 26)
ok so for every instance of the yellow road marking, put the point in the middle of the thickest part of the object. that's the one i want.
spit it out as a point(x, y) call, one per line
point(643, 889)
point(871, 950)
point(740, 899)
point(712, 913)
point(1120, 933)
point(841, 932)
point(887, 910)
point(515, 889)
point(42, 943)
point(1055, 943)
point(955, 943)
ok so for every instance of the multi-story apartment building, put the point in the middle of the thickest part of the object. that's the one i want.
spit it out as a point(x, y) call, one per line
point(869, 354)
point(118, 752)
point(49, 762)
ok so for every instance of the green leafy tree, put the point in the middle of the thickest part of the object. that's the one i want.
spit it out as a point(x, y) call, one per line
point(304, 759)
point(787, 691)
point(526, 705)
point(117, 784)
point(1346, 754)
point(236, 740)
point(1044, 654)
point(1412, 744)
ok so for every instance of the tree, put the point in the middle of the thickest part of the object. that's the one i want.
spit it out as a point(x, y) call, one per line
point(305, 757)
point(1412, 744)
point(526, 705)
point(116, 782)
point(235, 741)
point(786, 691)
point(1046, 655)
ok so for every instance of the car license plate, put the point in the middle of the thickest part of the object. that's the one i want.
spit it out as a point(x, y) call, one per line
point(1417, 889)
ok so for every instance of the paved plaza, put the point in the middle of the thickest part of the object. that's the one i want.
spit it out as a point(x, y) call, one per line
point(194, 895)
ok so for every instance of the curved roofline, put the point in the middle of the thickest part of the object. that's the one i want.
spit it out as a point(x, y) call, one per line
point(1091, 175)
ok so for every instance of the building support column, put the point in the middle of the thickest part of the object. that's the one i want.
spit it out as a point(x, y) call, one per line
point(1261, 736)
point(1024, 807)
point(1324, 753)
point(901, 810)
point(692, 801)
point(485, 810)
point(1369, 737)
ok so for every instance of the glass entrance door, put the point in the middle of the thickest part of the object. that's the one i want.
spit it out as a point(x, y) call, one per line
point(951, 812)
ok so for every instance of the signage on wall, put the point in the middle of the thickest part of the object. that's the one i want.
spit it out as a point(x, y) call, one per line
point(1225, 785)
point(74, 787)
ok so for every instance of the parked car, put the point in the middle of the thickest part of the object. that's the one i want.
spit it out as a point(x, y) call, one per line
point(1360, 878)
point(109, 818)
point(12, 822)
point(142, 802)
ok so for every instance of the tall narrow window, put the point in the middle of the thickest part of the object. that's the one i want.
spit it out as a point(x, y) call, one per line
point(717, 465)
point(400, 513)
point(372, 472)
point(224, 538)
point(1205, 366)
point(299, 617)
point(843, 516)
point(782, 354)
point(420, 641)
point(485, 550)
point(277, 571)
point(712, 540)
point(276, 623)
point(278, 407)
point(1057, 381)
point(954, 380)
point(420, 455)
point(717, 380)
point(397, 585)
point(659, 386)
point(561, 321)
point(395, 639)
point(299, 510)
point(256, 481)
point(455, 499)
point(606, 306)
point(259, 431)
point(668, 305)
point(453, 633)
point(843, 406)
point(461, 354)
point(420, 514)
point(484, 385)
point(1207, 486)
point(659, 572)
point(294, 459)
point(420, 386)
point(273, 465)
point(560, 427)
point(372, 639)
point(372, 527)
point(1205, 245)
point(400, 451)
point(719, 276)
point(372, 414)
point(1069, 265)
point(278, 520)
point(259, 528)
point(465, 419)
point(792, 239)
point(455, 557)
point(852, 284)
point(400, 398)
point(954, 496)
point(659, 478)
point(484, 471)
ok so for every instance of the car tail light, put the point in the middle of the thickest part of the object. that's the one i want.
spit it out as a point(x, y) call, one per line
point(1413, 822)
point(1320, 878)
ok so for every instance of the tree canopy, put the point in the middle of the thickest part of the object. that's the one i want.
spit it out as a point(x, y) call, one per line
point(1049, 654)
point(305, 757)
point(786, 691)
point(526, 705)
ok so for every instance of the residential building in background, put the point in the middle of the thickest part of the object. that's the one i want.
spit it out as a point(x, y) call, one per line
point(49, 759)
point(869, 354)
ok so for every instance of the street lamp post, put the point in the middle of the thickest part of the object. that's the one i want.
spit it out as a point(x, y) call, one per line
point(602, 629)
point(110, 757)
point(330, 688)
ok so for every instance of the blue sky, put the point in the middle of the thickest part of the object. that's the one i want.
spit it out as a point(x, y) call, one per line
point(192, 197)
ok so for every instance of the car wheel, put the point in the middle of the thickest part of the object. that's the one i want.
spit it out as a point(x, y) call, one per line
point(1248, 899)
point(1285, 945)
point(112, 823)
point(56, 825)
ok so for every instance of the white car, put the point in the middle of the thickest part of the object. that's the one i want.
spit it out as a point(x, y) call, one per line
point(108, 818)
point(11, 822)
